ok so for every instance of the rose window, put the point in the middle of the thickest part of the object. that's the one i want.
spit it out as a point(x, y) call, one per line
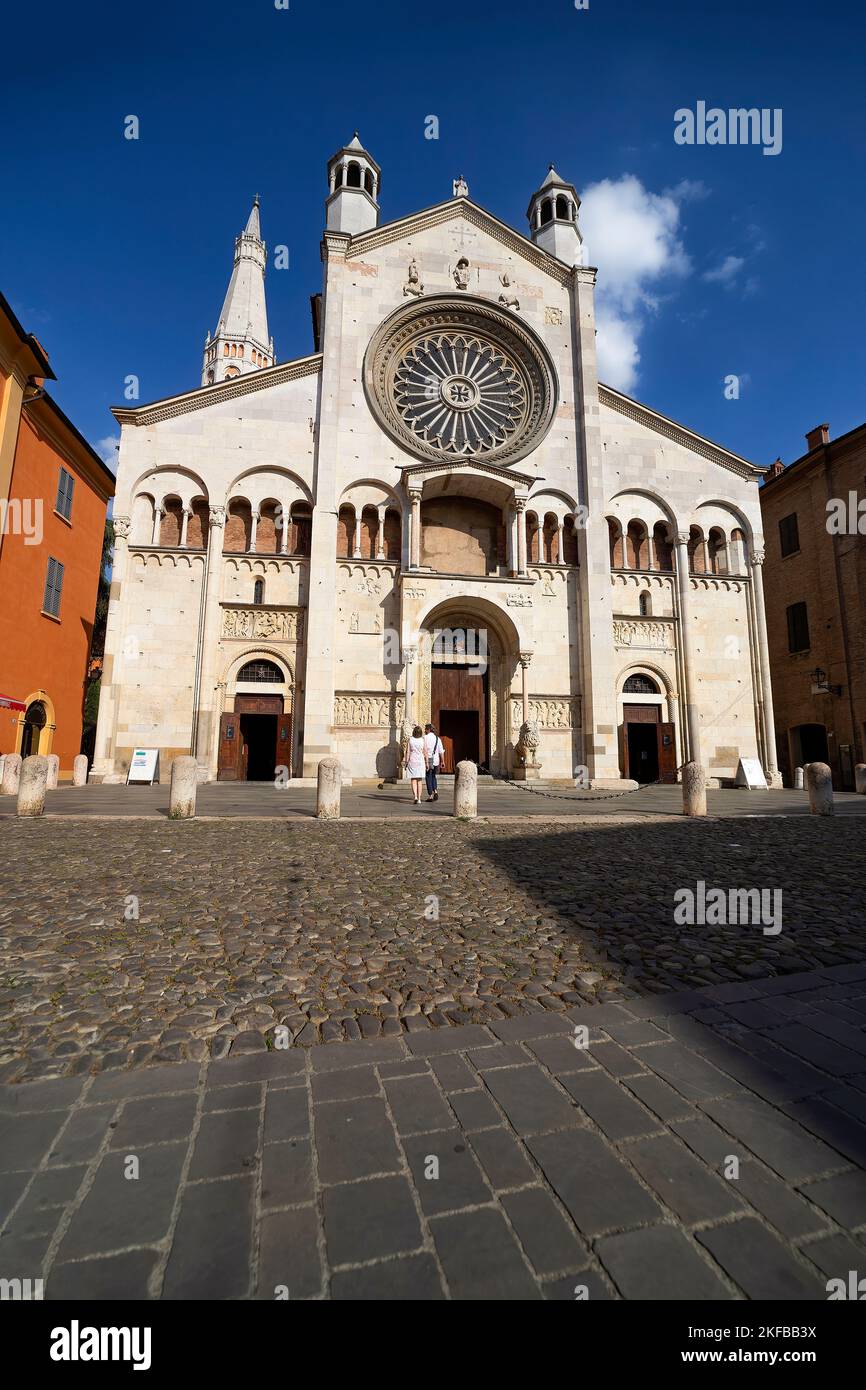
point(460, 394)
point(458, 378)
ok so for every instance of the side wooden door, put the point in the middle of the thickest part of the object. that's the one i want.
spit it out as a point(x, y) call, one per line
point(230, 759)
point(667, 746)
point(284, 742)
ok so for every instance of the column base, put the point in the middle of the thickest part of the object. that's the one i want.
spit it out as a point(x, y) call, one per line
point(774, 781)
point(613, 784)
point(530, 772)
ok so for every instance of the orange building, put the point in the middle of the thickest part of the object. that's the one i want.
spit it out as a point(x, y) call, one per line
point(54, 493)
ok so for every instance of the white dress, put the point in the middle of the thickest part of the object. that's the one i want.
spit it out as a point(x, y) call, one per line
point(415, 761)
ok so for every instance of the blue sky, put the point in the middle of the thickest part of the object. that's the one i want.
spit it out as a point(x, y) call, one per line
point(712, 261)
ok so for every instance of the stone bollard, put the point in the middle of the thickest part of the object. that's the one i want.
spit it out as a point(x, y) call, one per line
point(79, 770)
point(53, 771)
point(329, 785)
point(694, 790)
point(32, 784)
point(819, 780)
point(183, 784)
point(466, 791)
point(860, 779)
point(798, 779)
point(11, 773)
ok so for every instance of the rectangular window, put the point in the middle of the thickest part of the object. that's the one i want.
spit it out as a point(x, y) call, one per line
point(65, 489)
point(53, 588)
point(789, 535)
point(798, 628)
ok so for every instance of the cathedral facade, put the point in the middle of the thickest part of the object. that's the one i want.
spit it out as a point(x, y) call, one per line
point(439, 514)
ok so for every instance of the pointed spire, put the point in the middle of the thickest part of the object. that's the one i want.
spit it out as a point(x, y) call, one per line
point(242, 343)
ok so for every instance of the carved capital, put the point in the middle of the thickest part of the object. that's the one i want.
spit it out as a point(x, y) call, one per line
point(682, 538)
point(757, 557)
point(415, 494)
point(217, 516)
point(121, 527)
point(526, 660)
point(410, 655)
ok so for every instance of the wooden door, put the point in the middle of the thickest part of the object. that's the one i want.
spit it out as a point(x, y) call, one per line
point(623, 750)
point(230, 759)
point(667, 745)
point(459, 688)
point(283, 754)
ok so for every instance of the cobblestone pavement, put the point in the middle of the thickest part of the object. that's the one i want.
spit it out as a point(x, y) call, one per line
point(340, 932)
point(363, 801)
point(707, 1145)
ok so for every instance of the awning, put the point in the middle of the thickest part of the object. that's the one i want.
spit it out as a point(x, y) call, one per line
point(6, 702)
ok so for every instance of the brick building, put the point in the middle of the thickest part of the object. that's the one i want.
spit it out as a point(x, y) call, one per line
point(54, 491)
point(815, 583)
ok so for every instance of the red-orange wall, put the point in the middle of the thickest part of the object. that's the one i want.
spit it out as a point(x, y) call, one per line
point(38, 652)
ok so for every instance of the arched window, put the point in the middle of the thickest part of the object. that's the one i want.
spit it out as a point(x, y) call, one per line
point(353, 176)
point(238, 527)
point(368, 182)
point(640, 685)
point(646, 606)
point(267, 540)
point(569, 542)
point(717, 551)
point(261, 673)
point(172, 522)
point(551, 540)
point(300, 529)
point(338, 176)
point(562, 208)
point(697, 553)
point(393, 534)
point(369, 532)
point(617, 549)
point(533, 538)
point(546, 211)
point(738, 552)
point(346, 531)
point(663, 551)
point(259, 591)
point(637, 546)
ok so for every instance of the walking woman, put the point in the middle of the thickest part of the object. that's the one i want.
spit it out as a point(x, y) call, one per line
point(416, 762)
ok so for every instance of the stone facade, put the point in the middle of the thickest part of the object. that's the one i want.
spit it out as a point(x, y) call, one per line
point(447, 463)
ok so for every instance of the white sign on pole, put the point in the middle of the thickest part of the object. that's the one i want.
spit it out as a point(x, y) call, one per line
point(750, 774)
point(144, 765)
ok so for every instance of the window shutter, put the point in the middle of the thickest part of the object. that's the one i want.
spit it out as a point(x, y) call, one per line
point(65, 488)
point(53, 588)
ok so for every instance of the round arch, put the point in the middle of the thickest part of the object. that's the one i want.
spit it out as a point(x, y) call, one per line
point(46, 732)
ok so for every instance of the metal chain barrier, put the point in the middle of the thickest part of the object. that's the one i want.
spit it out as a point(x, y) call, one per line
point(564, 796)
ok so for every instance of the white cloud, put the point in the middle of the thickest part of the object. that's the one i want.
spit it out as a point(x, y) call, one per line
point(632, 235)
point(107, 450)
point(726, 273)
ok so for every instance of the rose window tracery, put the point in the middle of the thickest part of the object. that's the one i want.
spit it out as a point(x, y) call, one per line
point(460, 379)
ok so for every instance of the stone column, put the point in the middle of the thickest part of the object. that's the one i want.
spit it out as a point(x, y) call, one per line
point(11, 774)
point(466, 791)
point(380, 535)
point(694, 790)
point(254, 530)
point(415, 528)
point(558, 543)
point(187, 513)
point(31, 788)
point(520, 506)
point(158, 514)
point(210, 629)
point(525, 659)
point(819, 780)
point(113, 661)
point(410, 658)
point(684, 592)
point(769, 722)
point(329, 778)
point(284, 540)
point(184, 781)
point(356, 544)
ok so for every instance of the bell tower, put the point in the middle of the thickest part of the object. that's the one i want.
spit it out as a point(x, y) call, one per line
point(241, 342)
point(552, 214)
point(353, 179)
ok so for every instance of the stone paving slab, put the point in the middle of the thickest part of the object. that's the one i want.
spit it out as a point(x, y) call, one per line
point(180, 940)
point(457, 1179)
point(261, 800)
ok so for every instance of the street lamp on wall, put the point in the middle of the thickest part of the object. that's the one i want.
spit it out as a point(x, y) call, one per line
point(820, 685)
